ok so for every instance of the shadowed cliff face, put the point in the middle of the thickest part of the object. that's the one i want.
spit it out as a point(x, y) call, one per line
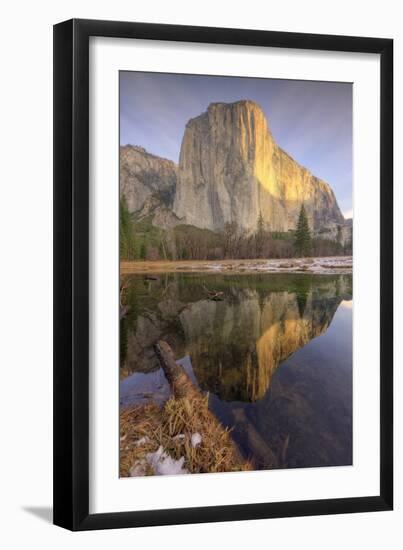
point(231, 169)
point(146, 178)
point(235, 345)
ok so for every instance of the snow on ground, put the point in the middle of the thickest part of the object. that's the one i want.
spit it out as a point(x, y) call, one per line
point(196, 439)
point(160, 462)
point(142, 441)
point(325, 265)
point(163, 464)
point(321, 265)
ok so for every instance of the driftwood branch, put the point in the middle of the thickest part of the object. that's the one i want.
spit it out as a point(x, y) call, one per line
point(216, 295)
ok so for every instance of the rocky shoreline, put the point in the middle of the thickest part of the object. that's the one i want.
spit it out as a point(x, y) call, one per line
point(322, 266)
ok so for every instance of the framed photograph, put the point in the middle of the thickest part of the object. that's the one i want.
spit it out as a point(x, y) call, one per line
point(222, 198)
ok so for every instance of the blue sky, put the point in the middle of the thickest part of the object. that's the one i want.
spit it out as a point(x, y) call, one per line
point(312, 121)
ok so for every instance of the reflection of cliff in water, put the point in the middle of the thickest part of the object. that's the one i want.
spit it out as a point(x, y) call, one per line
point(305, 417)
point(235, 348)
point(236, 344)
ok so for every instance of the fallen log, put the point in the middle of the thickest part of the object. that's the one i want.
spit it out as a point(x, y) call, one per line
point(183, 429)
point(179, 381)
point(151, 278)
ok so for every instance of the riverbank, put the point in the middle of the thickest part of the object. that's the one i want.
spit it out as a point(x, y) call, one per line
point(326, 265)
point(181, 437)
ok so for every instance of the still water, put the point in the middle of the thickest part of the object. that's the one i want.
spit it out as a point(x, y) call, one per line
point(274, 351)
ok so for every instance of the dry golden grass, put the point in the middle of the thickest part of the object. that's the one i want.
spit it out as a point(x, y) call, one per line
point(153, 426)
point(172, 266)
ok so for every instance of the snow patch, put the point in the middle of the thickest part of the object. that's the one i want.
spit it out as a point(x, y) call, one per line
point(163, 464)
point(196, 439)
point(160, 462)
point(142, 441)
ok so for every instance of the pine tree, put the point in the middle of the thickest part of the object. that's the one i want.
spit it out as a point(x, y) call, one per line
point(127, 242)
point(303, 239)
point(143, 251)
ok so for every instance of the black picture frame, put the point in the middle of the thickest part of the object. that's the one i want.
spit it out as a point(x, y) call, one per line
point(71, 274)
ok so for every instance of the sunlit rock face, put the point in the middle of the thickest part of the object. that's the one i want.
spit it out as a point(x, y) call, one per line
point(232, 170)
point(146, 181)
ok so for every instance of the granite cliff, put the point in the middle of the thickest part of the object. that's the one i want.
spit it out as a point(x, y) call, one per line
point(146, 178)
point(230, 170)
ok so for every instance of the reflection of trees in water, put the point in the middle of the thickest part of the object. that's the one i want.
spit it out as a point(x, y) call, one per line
point(302, 293)
point(236, 344)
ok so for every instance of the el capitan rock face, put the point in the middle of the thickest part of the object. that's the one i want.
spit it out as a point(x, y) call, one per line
point(232, 170)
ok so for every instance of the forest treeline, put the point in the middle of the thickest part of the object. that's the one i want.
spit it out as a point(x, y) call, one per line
point(140, 240)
